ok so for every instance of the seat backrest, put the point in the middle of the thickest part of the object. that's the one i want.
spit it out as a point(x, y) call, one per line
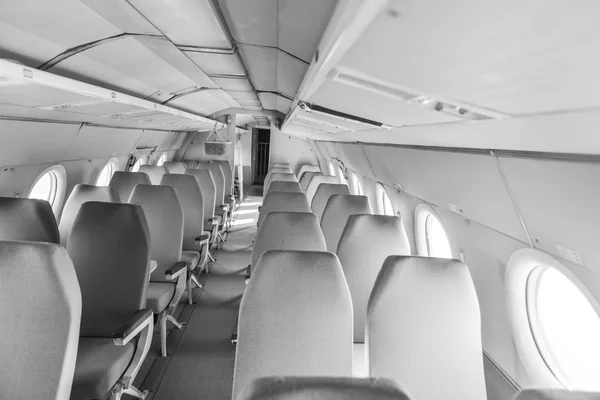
point(281, 230)
point(191, 164)
point(154, 172)
point(426, 310)
point(307, 168)
point(40, 310)
point(322, 195)
point(208, 188)
point(281, 165)
point(367, 240)
point(27, 219)
point(219, 178)
point(306, 178)
point(82, 194)
point(295, 319)
point(279, 177)
point(284, 186)
point(277, 170)
point(188, 189)
point(227, 171)
point(556, 394)
point(322, 388)
point(124, 182)
point(283, 201)
point(174, 167)
point(164, 215)
point(316, 181)
point(110, 249)
point(337, 211)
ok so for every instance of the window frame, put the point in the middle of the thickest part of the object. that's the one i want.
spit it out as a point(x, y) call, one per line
point(422, 212)
point(113, 164)
point(382, 194)
point(162, 159)
point(59, 186)
point(355, 184)
point(519, 279)
point(143, 160)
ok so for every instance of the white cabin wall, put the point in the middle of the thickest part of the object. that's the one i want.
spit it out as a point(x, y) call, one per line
point(290, 149)
point(557, 200)
point(28, 148)
point(195, 149)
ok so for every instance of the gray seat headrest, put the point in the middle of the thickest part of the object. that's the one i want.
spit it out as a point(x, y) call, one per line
point(278, 177)
point(283, 186)
point(315, 182)
point(322, 195)
point(154, 172)
point(124, 182)
point(40, 306)
point(306, 178)
point(174, 167)
point(283, 201)
point(337, 211)
point(27, 219)
point(208, 188)
point(426, 310)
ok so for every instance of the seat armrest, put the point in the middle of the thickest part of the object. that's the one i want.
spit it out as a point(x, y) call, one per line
point(177, 269)
point(202, 239)
point(213, 221)
point(133, 327)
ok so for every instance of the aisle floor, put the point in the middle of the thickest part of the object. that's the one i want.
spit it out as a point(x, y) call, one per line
point(201, 355)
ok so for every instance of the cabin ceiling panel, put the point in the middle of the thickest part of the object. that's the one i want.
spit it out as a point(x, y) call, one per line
point(268, 100)
point(559, 204)
point(45, 25)
point(469, 181)
point(290, 73)
point(217, 64)
point(376, 107)
point(301, 25)
point(203, 102)
point(19, 45)
point(283, 104)
point(123, 15)
point(185, 22)
point(253, 22)
point(233, 84)
point(262, 66)
point(249, 103)
point(13, 111)
point(225, 98)
point(485, 53)
point(242, 95)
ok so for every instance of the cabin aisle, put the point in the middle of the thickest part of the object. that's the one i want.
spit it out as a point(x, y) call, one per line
point(202, 364)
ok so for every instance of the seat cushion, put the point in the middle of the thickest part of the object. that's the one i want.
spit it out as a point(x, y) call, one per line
point(99, 366)
point(191, 258)
point(159, 295)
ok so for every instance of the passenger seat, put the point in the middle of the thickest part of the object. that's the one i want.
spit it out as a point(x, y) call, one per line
point(337, 211)
point(305, 179)
point(315, 182)
point(282, 186)
point(322, 195)
point(81, 194)
point(27, 219)
point(307, 168)
point(295, 319)
point(424, 328)
point(174, 167)
point(40, 309)
point(154, 172)
point(283, 201)
point(124, 182)
point(209, 196)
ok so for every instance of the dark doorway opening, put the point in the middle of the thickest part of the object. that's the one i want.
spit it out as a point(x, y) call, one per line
point(261, 141)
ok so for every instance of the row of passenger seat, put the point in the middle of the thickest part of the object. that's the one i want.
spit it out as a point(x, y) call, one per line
point(95, 299)
point(310, 299)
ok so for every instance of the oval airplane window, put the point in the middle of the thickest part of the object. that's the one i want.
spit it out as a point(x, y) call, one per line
point(140, 161)
point(107, 172)
point(355, 184)
point(565, 327)
point(384, 202)
point(161, 160)
point(431, 236)
point(555, 322)
point(50, 185)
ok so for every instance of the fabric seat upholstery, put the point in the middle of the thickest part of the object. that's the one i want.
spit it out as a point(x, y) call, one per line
point(154, 172)
point(367, 240)
point(124, 182)
point(174, 167)
point(278, 177)
point(110, 249)
point(295, 319)
point(306, 178)
point(426, 310)
point(208, 190)
point(219, 178)
point(281, 186)
point(322, 388)
point(99, 365)
point(81, 194)
point(39, 333)
point(281, 230)
point(159, 295)
point(27, 219)
point(282, 201)
point(228, 173)
point(316, 181)
point(322, 195)
point(337, 211)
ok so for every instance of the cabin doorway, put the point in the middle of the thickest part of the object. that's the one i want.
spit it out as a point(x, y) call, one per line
point(261, 142)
